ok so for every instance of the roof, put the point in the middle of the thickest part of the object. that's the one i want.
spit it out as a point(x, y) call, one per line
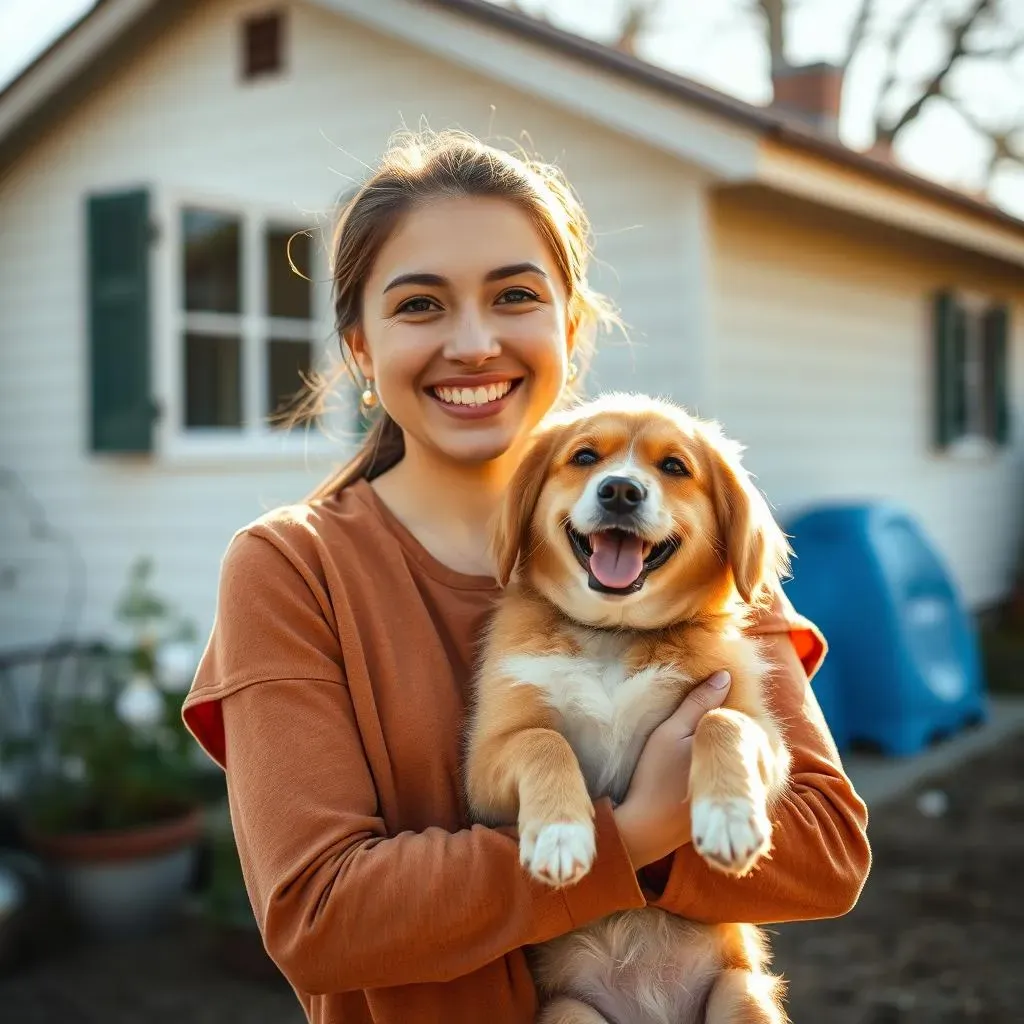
point(766, 121)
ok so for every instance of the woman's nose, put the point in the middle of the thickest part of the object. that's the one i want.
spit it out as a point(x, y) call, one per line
point(473, 341)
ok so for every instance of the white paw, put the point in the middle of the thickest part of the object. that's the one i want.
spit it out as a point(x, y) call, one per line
point(558, 854)
point(731, 834)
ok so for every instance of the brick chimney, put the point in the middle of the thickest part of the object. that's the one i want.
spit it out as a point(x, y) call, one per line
point(812, 93)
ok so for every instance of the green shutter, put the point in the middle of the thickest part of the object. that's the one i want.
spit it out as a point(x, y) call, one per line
point(950, 328)
point(996, 338)
point(122, 410)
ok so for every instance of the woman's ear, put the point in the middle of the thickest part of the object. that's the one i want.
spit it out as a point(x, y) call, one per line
point(756, 549)
point(512, 525)
point(355, 341)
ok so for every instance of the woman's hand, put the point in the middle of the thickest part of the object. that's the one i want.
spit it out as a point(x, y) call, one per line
point(654, 819)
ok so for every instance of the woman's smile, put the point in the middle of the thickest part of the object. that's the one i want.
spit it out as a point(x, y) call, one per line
point(475, 396)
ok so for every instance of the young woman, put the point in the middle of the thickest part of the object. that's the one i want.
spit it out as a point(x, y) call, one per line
point(334, 683)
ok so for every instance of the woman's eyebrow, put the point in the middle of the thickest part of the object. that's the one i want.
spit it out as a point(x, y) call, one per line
point(514, 269)
point(434, 280)
point(437, 281)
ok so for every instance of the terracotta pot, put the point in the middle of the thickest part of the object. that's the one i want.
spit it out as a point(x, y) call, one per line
point(122, 844)
point(128, 882)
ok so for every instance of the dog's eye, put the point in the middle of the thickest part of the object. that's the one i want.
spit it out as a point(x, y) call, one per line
point(674, 467)
point(584, 457)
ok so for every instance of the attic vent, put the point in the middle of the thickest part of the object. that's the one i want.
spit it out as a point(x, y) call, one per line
point(262, 45)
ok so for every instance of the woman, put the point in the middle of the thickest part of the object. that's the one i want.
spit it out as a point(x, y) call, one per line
point(334, 682)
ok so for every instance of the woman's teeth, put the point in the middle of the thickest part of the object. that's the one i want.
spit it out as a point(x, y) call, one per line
point(474, 396)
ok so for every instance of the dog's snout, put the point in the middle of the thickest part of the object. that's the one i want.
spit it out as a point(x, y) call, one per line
point(620, 494)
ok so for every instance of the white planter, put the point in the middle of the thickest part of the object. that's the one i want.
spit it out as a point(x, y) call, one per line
point(125, 884)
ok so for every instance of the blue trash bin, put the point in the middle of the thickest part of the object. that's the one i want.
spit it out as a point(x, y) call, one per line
point(905, 667)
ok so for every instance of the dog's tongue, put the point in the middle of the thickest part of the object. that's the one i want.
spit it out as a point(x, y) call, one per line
point(617, 559)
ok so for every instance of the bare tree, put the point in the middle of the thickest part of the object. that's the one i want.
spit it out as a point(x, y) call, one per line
point(975, 32)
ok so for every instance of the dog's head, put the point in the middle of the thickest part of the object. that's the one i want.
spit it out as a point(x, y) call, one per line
point(628, 512)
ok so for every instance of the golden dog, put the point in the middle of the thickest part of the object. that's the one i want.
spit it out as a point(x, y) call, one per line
point(639, 547)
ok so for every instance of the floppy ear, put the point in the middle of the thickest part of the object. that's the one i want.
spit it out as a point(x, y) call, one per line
point(756, 549)
point(512, 524)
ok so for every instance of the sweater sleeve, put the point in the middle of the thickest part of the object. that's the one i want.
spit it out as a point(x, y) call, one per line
point(343, 905)
point(820, 856)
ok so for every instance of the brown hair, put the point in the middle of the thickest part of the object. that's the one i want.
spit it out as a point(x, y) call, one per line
point(416, 169)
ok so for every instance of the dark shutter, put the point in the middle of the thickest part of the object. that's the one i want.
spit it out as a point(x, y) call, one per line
point(995, 349)
point(122, 410)
point(950, 330)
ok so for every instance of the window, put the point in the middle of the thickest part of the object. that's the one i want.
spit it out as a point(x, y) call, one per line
point(262, 48)
point(246, 320)
point(972, 380)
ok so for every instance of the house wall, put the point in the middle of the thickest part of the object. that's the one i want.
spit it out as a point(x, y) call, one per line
point(177, 119)
point(823, 369)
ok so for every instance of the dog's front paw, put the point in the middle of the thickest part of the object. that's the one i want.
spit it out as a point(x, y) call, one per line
point(558, 854)
point(731, 834)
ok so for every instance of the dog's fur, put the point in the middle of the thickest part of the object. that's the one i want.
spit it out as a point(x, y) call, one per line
point(574, 680)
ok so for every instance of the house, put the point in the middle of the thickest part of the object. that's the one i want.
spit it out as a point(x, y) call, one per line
point(859, 328)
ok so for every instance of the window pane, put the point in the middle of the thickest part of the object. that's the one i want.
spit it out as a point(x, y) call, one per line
point(286, 361)
point(213, 381)
point(262, 45)
point(213, 261)
point(287, 293)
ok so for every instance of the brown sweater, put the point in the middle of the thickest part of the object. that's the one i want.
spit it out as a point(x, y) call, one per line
point(332, 692)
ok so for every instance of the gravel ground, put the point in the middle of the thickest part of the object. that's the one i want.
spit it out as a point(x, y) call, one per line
point(935, 938)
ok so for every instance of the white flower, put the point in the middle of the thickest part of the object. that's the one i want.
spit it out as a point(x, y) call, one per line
point(139, 703)
point(73, 769)
point(176, 663)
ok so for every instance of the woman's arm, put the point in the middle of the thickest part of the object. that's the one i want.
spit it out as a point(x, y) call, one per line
point(820, 857)
point(341, 904)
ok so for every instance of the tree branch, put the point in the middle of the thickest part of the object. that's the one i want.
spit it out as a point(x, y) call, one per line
point(1006, 51)
point(893, 46)
point(933, 87)
point(774, 13)
point(636, 20)
point(858, 32)
point(1005, 149)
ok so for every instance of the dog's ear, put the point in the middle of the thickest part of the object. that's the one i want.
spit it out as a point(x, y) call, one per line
point(512, 525)
point(756, 549)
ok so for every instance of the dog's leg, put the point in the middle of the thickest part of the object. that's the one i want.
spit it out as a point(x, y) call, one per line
point(557, 842)
point(565, 1010)
point(743, 997)
point(529, 771)
point(735, 773)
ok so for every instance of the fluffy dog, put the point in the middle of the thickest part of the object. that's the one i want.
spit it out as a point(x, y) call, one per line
point(638, 546)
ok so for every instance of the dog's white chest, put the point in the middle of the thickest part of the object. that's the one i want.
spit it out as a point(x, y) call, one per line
point(606, 711)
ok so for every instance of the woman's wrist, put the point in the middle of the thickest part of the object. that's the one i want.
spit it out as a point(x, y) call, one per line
point(644, 840)
point(636, 836)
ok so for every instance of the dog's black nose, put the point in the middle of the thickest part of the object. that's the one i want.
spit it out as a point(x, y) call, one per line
point(620, 494)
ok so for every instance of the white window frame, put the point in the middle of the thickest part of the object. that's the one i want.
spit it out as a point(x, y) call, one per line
point(973, 442)
point(255, 440)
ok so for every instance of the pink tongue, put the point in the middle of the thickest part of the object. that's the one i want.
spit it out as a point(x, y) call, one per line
point(617, 559)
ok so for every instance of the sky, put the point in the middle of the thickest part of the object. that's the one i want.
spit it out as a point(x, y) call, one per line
point(715, 45)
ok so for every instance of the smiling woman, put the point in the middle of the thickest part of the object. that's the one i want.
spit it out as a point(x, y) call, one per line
point(334, 687)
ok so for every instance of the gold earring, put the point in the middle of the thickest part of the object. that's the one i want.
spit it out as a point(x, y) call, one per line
point(369, 396)
point(573, 371)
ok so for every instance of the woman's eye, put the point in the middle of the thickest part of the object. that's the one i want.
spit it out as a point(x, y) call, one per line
point(584, 457)
point(674, 467)
point(516, 295)
point(418, 305)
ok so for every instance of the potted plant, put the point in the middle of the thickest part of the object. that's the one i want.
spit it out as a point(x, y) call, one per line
point(111, 787)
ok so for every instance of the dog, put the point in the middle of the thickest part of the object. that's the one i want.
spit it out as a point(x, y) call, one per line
point(633, 547)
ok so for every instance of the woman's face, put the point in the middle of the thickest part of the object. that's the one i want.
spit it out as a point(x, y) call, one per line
point(464, 327)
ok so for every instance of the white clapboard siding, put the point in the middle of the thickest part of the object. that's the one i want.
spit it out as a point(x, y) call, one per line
point(177, 119)
point(823, 368)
